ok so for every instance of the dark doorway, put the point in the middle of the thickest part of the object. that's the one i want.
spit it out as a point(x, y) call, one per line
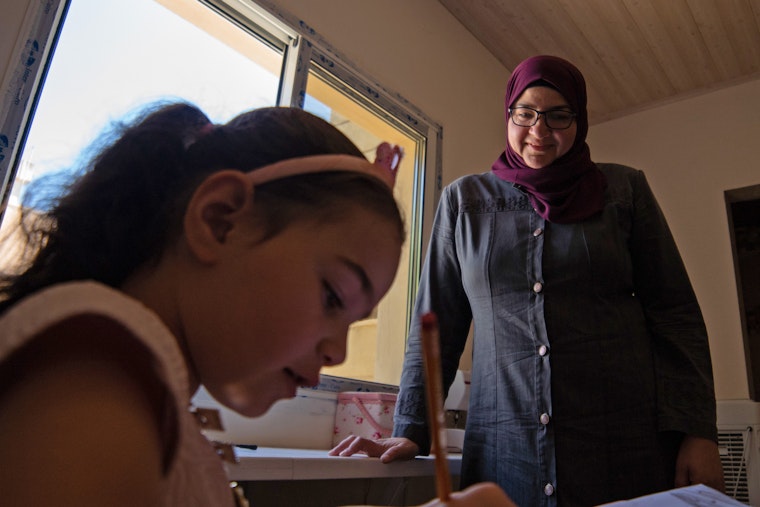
point(743, 209)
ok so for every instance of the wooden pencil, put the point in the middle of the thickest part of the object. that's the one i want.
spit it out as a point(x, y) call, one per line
point(434, 393)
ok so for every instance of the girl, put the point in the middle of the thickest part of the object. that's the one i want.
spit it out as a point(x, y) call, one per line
point(232, 255)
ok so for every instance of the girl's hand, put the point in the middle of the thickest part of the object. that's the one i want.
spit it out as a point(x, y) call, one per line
point(485, 494)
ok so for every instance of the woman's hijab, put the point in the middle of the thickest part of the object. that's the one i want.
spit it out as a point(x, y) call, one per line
point(571, 188)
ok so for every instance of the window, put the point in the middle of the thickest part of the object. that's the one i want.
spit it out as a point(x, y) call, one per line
point(226, 56)
point(380, 340)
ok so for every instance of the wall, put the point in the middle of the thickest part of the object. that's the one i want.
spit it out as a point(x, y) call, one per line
point(422, 53)
point(692, 151)
point(11, 17)
point(417, 49)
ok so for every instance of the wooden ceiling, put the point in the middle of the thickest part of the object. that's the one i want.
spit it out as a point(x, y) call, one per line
point(634, 54)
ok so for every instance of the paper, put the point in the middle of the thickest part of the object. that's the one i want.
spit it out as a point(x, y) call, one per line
point(690, 496)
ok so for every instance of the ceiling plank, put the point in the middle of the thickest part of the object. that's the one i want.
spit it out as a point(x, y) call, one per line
point(501, 31)
point(738, 25)
point(634, 74)
point(634, 54)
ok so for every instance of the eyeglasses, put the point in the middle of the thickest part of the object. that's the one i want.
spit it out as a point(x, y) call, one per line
point(557, 119)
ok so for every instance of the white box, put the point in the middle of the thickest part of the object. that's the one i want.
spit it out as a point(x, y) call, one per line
point(304, 422)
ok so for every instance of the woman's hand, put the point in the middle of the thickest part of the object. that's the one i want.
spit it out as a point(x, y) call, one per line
point(387, 449)
point(699, 463)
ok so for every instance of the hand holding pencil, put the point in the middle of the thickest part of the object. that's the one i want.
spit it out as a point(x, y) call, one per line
point(484, 494)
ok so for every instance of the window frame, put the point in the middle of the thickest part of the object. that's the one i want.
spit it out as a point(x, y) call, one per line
point(27, 68)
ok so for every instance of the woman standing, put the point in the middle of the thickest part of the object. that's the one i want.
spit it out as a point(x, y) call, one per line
point(591, 372)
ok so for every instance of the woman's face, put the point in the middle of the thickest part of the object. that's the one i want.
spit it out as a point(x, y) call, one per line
point(274, 313)
point(539, 145)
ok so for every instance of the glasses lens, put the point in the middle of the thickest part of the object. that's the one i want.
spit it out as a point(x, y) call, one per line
point(524, 117)
point(558, 119)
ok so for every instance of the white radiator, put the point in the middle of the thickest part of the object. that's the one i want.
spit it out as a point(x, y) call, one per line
point(739, 443)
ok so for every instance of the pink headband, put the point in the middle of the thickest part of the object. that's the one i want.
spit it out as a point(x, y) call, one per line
point(385, 167)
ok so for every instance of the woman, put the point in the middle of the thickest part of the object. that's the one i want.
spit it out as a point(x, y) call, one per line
point(591, 372)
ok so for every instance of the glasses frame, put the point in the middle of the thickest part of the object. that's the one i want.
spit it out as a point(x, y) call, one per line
point(544, 113)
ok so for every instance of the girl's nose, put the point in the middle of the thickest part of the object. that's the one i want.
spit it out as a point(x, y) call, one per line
point(333, 350)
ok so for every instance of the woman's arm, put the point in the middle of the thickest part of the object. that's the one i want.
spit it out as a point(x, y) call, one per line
point(685, 391)
point(683, 367)
point(441, 291)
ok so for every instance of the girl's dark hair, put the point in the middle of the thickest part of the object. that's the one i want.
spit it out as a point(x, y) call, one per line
point(127, 206)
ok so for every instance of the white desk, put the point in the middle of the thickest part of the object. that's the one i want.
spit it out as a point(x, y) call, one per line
point(272, 464)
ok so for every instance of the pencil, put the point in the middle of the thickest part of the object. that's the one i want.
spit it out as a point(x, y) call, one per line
point(434, 394)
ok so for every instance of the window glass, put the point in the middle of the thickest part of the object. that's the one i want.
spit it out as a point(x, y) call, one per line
point(113, 57)
point(375, 345)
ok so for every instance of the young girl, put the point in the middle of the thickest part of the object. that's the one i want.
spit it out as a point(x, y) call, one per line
point(233, 256)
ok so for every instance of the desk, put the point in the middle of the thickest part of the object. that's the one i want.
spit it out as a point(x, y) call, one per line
point(275, 464)
point(295, 477)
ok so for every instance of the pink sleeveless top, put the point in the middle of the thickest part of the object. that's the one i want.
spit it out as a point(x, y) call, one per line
point(195, 475)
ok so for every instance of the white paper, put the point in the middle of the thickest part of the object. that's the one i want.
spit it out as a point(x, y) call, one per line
point(690, 496)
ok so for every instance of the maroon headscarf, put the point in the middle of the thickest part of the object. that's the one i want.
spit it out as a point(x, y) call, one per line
point(571, 188)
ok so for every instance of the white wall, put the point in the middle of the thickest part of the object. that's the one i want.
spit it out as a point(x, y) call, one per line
point(417, 49)
point(692, 151)
point(13, 12)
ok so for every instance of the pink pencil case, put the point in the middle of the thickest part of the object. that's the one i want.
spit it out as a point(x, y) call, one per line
point(364, 414)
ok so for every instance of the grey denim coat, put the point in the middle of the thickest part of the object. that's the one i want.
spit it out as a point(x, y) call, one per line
point(590, 355)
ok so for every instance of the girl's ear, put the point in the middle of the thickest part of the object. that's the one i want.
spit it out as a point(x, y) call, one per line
point(218, 205)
